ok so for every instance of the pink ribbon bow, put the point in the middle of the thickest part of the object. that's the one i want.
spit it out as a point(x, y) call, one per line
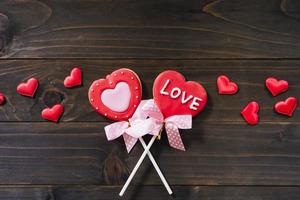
point(172, 123)
point(139, 125)
point(148, 119)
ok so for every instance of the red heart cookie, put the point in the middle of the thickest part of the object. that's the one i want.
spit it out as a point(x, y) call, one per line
point(28, 88)
point(225, 86)
point(117, 96)
point(75, 78)
point(54, 113)
point(250, 113)
point(2, 99)
point(276, 87)
point(174, 96)
point(286, 107)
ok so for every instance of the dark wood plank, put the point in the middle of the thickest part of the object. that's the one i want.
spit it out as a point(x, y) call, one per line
point(217, 154)
point(250, 75)
point(148, 193)
point(150, 29)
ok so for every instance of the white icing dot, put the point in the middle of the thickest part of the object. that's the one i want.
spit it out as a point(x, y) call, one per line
point(92, 90)
point(134, 105)
point(97, 108)
point(136, 88)
point(127, 116)
point(115, 74)
point(92, 100)
point(132, 78)
point(97, 84)
point(110, 83)
point(137, 97)
point(105, 114)
point(116, 116)
point(122, 72)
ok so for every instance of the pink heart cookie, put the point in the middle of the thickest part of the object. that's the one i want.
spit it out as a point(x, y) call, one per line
point(117, 96)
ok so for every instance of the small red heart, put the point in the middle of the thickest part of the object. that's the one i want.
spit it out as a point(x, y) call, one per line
point(2, 99)
point(54, 113)
point(225, 86)
point(174, 96)
point(75, 78)
point(250, 113)
point(286, 107)
point(28, 88)
point(117, 96)
point(276, 87)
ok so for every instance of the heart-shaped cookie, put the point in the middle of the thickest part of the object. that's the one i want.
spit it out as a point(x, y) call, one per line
point(225, 86)
point(74, 79)
point(28, 88)
point(275, 86)
point(250, 113)
point(286, 107)
point(53, 114)
point(2, 99)
point(174, 96)
point(117, 96)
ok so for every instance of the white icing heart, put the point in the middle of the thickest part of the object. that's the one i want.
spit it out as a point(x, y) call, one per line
point(117, 99)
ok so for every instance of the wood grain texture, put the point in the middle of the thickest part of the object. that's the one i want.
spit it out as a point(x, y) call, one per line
point(76, 153)
point(250, 76)
point(225, 158)
point(5, 32)
point(148, 193)
point(152, 29)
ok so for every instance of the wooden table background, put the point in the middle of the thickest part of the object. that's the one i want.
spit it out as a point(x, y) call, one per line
point(225, 158)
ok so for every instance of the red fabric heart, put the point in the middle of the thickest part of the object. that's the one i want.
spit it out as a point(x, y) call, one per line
point(75, 78)
point(2, 99)
point(250, 113)
point(174, 96)
point(225, 86)
point(286, 107)
point(28, 88)
point(276, 87)
point(117, 96)
point(54, 113)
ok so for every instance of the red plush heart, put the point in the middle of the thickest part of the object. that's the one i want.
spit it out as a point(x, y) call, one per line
point(286, 107)
point(276, 87)
point(225, 86)
point(54, 113)
point(117, 96)
point(250, 113)
point(2, 99)
point(28, 88)
point(174, 96)
point(74, 79)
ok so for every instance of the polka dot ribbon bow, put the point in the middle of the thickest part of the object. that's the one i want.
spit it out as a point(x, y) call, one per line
point(171, 124)
point(148, 119)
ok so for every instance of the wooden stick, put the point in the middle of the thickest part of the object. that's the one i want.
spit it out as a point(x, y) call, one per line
point(137, 166)
point(160, 174)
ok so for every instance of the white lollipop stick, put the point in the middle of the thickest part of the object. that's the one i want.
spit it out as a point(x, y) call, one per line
point(137, 166)
point(156, 167)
